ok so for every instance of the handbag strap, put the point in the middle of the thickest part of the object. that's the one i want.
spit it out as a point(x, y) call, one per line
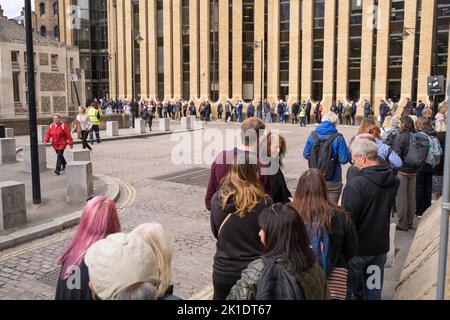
point(223, 223)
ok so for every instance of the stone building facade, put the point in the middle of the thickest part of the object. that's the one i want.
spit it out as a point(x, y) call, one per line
point(54, 65)
point(46, 18)
point(312, 49)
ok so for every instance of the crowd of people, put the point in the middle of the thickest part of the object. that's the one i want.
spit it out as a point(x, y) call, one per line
point(325, 241)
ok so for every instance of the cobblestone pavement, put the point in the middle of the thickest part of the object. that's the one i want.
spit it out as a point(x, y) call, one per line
point(27, 272)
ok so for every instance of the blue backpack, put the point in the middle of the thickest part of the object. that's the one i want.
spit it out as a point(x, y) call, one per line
point(320, 243)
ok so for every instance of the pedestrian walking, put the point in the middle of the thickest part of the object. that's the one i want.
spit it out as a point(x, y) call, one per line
point(259, 110)
point(94, 114)
point(148, 117)
point(367, 109)
point(276, 150)
point(250, 110)
point(295, 112)
point(369, 198)
point(267, 111)
point(98, 220)
point(60, 136)
point(286, 247)
point(438, 172)
point(239, 110)
point(192, 109)
point(302, 114)
point(308, 111)
point(219, 111)
point(334, 224)
point(228, 112)
point(327, 150)
point(347, 114)
point(354, 112)
point(85, 126)
point(340, 108)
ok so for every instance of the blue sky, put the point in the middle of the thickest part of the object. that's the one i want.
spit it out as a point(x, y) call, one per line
point(13, 7)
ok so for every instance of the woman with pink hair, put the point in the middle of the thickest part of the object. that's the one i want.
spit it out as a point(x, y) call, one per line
point(99, 219)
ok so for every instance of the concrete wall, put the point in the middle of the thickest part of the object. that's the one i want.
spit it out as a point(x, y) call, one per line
point(419, 275)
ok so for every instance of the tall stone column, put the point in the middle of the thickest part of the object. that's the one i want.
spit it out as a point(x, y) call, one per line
point(343, 51)
point(367, 50)
point(205, 45)
point(128, 33)
point(259, 35)
point(112, 47)
point(273, 56)
point(168, 46)
point(307, 48)
point(408, 50)
point(152, 62)
point(177, 49)
point(144, 50)
point(426, 49)
point(223, 51)
point(329, 52)
point(294, 51)
point(381, 74)
point(194, 47)
point(237, 49)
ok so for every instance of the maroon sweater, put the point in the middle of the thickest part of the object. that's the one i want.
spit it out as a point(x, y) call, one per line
point(220, 169)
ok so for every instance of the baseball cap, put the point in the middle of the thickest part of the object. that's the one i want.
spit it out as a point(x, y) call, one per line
point(118, 262)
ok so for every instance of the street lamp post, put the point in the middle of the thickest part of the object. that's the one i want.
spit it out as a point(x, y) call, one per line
point(136, 37)
point(35, 175)
point(260, 45)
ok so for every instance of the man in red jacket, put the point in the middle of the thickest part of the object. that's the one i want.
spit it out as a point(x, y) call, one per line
point(59, 133)
point(222, 165)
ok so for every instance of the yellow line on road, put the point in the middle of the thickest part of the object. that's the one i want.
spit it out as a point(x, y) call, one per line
point(131, 197)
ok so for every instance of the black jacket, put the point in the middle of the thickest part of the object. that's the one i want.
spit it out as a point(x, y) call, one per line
point(439, 170)
point(369, 198)
point(238, 243)
point(83, 293)
point(343, 240)
point(280, 191)
point(401, 147)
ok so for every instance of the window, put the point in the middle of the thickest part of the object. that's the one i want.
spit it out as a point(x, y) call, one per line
point(55, 8)
point(15, 57)
point(284, 49)
point(160, 29)
point(42, 8)
point(16, 87)
point(54, 62)
point(398, 10)
point(186, 51)
point(214, 46)
point(248, 50)
point(319, 14)
point(43, 31)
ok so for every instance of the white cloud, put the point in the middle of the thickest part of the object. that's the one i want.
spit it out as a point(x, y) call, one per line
point(13, 8)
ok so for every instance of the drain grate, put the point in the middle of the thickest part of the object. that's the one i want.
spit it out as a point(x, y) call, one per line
point(50, 278)
point(194, 177)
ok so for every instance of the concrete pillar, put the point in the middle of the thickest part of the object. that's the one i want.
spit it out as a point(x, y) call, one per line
point(42, 131)
point(42, 157)
point(164, 124)
point(112, 128)
point(168, 46)
point(343, 51)
point(192, 120)
point(144, 48)
point(367, 53)
point(76, 155)
point(329, 52)
point(7, 150)
point(294, 51)
point(128, 33)
point(273, 56)
point(223, 50)
point(139, 126)
point(79, 180)
point(408, 50)
point(237, 49)
point(186, 123)
point(152, 62)
point(307, 47)
point(194, 49)
point(383, 37)
point(426, 49)
point(9, 133)
point(177, 49)
point(112, 47)
point(205, 65)
point(259, 34)
point(13, 205)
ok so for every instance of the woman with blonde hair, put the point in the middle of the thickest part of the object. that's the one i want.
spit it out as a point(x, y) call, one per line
point(235, 208)
point(85, 125)
point(438, 172)
point(155, 237)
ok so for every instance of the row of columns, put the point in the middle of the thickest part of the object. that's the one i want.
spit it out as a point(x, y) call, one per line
point(301, 72)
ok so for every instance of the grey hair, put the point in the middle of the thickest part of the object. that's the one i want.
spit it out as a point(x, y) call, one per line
point(138, 291)
point(364, 147)
point(331, 117)
point(395, 122)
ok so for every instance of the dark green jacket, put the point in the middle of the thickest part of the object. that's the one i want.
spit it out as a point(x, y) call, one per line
point(312, 282)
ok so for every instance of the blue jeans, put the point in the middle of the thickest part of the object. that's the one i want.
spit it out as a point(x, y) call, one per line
point(239, 117)
point(259, 114)
point(268, 117)
point(365, 277)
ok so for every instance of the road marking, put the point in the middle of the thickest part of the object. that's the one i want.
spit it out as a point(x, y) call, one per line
point(131, 197)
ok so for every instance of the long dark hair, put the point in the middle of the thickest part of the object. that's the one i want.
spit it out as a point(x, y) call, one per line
point(286, 236)
point(312, 202)
point(408, 124)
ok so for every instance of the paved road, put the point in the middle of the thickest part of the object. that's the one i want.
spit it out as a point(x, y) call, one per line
point(28, 271)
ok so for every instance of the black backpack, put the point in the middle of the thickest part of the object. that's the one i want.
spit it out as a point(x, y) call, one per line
point(276, 283)
point(322, 155)
point(419, 146)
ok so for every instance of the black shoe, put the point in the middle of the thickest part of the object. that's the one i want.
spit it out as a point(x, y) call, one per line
point(402, 229)
point(57, 172)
